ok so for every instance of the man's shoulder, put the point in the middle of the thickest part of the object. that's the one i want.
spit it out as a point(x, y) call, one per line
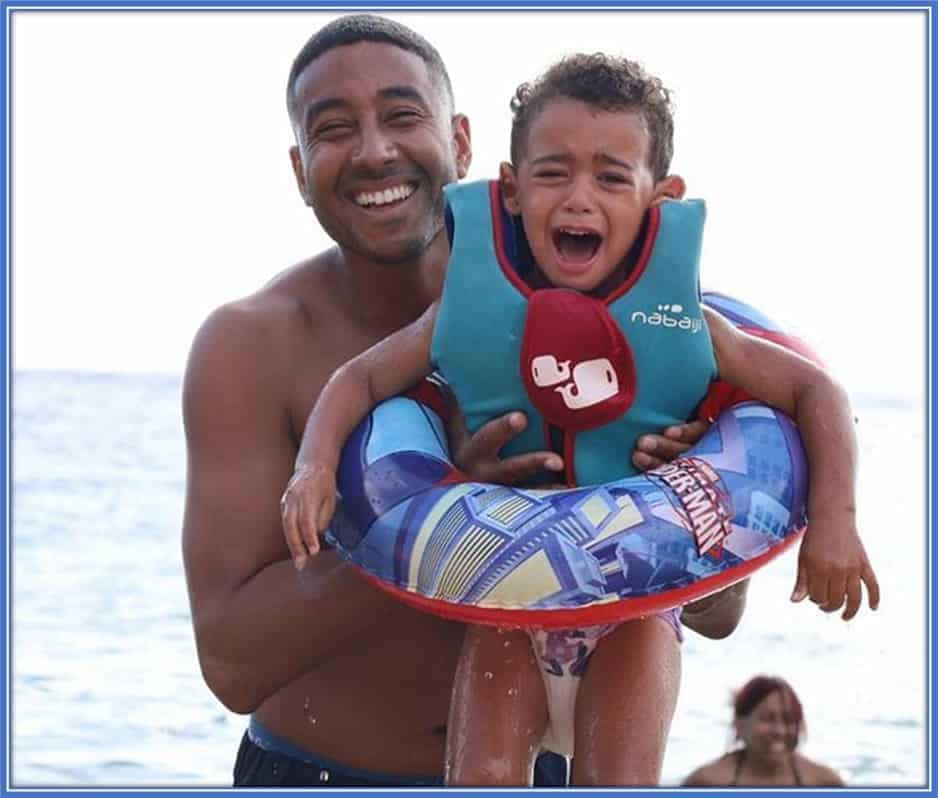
point(264, 330)
point(286, 305)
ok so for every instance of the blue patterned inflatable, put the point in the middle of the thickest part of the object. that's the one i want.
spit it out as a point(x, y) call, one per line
point(566, 558)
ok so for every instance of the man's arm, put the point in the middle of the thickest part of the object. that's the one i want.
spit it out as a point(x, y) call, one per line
point(247, 601)
point(388, 368)
point(716, 616)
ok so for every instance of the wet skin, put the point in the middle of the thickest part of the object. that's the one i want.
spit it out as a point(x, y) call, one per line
point(321, 659)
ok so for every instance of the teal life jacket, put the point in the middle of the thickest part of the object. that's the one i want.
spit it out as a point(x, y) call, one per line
point(590, 374)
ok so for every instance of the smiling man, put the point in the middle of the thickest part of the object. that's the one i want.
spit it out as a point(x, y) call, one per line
point(360, 696)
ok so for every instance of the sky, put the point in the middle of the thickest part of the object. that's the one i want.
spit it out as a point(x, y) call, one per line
point(151, 180)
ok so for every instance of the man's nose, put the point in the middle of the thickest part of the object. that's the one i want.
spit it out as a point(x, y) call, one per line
point(375, 146)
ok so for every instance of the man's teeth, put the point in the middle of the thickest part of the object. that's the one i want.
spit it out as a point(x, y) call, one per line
point(384, 197)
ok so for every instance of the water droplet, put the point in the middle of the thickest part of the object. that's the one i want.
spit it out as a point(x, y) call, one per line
point(488, 674)
point(324, 775)
point(512, 691)
point(311, 719)
point(306, 703)
point(506, 643)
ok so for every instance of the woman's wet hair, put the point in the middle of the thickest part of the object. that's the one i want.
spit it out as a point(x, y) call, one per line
point(605, 82)
point(754, 692)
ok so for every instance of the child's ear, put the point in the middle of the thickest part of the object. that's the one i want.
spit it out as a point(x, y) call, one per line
point(671, 187)
point(462, 145)
point(509, 183)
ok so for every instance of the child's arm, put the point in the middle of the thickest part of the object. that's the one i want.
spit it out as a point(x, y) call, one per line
point(389, 367)
point(832, 561)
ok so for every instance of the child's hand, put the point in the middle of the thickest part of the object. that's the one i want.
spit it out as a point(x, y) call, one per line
point(306, 510)
point(831, 565)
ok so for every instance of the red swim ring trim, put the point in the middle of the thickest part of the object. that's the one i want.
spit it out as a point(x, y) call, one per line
point(574, 618)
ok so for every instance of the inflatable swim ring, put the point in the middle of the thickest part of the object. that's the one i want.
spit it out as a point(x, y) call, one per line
point(482, 553)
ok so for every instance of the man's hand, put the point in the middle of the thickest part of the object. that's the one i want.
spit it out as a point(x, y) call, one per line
point(478, 455)
point(652, 451)
point(832, 563)
point(715, 616)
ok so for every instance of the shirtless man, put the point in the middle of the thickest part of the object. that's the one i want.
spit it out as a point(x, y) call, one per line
point(361, 697)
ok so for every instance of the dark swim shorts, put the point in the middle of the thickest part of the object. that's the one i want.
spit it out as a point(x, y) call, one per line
point(265, 760)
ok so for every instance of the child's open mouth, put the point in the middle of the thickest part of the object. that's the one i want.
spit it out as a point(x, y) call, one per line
point(576, 248)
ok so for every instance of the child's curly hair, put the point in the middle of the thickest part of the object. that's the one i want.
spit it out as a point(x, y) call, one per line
point(608, 83)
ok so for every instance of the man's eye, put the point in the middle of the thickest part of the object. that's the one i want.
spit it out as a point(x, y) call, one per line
point(403, 115)
point(334, 128)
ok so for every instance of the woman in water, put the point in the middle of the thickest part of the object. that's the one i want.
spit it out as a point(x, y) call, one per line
point(769, 724)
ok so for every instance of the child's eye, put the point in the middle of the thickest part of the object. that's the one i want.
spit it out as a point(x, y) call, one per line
point(549, 173)
point(614, 178)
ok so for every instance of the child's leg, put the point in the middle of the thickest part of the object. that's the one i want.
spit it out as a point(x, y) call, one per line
point(625, 705)
point(498, 711)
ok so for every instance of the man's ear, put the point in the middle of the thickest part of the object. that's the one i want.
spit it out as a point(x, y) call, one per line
point(462, 144)
point(670, 187)
point(509, 183)
point(299, 174)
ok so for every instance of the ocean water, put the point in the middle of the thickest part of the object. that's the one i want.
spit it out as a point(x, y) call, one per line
point(105, 685)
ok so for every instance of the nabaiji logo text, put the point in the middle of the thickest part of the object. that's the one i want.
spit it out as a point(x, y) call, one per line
point(704, 505)
point(661, 318)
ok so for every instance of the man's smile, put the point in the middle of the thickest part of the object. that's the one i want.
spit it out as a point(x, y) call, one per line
point(388, 196)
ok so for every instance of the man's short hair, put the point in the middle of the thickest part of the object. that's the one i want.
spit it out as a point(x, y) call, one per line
point(605, 82)
point(357, 28)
